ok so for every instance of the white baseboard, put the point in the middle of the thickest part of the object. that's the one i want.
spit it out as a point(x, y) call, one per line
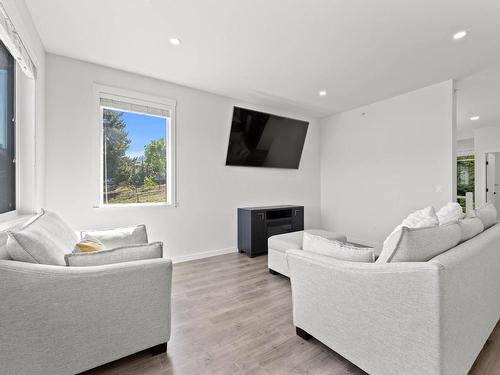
point(204, 254)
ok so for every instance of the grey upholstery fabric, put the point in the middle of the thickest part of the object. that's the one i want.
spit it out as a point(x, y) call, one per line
point(65, 320)
point(419, 244)
point(488, 214)
point(336, 249)
point(118, 255)
point(119, 237)
point(45, 239)
point(398, 334)
point(428, 318)
point(279, 244)
point(470, 299)
point(470, 227)
point(293, 240)
point(13, 224)
point(3, 245)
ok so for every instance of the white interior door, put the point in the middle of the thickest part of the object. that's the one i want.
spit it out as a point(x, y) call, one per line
point(490, 178)
point(497, 182)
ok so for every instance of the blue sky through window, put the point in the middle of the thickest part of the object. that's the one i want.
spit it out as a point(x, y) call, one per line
point(142, 129)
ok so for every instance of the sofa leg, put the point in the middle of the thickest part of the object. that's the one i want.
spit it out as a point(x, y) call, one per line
point(272, 272)
point(302, 334)
point(159, 349)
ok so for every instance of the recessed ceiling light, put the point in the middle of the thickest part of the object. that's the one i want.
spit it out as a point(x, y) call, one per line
point(322, 93)
point(175, 41)
point(460, 35)
point(475, 118)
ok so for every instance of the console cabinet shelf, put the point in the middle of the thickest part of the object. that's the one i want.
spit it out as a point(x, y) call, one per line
point(257, 224)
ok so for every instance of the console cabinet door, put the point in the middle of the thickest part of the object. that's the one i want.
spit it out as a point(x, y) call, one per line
point(259, 233)
point(298, 219)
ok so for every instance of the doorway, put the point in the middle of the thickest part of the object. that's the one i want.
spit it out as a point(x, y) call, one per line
point(493, 179)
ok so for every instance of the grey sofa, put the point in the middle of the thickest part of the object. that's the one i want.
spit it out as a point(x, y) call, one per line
point(64, 320)
point(407, 318)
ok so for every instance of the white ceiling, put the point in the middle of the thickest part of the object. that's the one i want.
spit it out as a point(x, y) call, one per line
point(478, 95)
point(280, 52)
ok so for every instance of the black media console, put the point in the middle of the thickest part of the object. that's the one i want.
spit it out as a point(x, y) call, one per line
point(257, 224)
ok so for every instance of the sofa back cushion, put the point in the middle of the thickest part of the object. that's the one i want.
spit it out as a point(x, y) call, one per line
point(336, 249)
point(487, 213)
point(118, 255)
point(419, 244)
point(470, 227)
point(45, 239)
point(119, 237)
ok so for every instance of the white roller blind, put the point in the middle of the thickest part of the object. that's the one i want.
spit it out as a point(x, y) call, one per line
point(15, 45)
point(132, 107)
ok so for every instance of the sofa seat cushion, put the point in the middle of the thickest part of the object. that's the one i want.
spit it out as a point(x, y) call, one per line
point(45, 239)
point(293, 240)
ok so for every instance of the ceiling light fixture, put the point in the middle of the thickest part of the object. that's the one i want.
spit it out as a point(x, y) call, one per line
point(460, 35)
point(175, 41)
point(322, 93)
point(475, 118)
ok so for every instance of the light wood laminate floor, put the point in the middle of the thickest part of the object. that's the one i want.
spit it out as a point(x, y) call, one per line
point(230, 316)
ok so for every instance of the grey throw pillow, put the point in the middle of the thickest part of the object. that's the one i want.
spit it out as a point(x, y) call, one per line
point(119, 237)
point(45, 239)
point(419, 244)
point(336, 249)
point(118, 255)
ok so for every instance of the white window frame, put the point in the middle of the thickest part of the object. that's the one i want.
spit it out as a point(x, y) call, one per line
point(12, 215)
point(157, 102)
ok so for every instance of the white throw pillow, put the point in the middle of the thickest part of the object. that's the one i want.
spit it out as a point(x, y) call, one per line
point(471, 227)
point(45, 239)
point(113, 238)
point(118, 255)
point(425, 217)
point(487, 213)
point(336, 249)
point(419, 244)
point(451, 212)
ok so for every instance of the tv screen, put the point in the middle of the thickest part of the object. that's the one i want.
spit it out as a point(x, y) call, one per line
point(260, 139)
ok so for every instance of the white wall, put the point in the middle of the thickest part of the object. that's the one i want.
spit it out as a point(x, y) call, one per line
point(384, 160)
point(485, 140)
point(465, 147)
point(208, 191)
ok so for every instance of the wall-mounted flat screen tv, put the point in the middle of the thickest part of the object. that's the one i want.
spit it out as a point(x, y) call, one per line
point(261, 139)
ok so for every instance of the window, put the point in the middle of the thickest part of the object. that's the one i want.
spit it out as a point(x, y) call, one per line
point(465, 177)
point(137, 151)
point(7, 132)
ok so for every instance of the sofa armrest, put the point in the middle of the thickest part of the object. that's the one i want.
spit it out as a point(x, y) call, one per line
point(383, 317)
point(70, 319)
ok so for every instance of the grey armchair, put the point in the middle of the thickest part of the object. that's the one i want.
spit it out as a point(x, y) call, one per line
point(64, 320)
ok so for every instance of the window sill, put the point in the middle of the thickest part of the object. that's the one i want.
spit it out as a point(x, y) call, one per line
point(138, 205)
